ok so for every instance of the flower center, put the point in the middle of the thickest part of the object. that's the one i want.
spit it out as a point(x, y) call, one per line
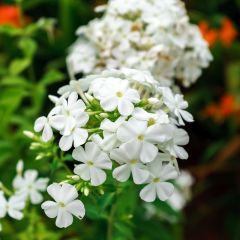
point(90, 163)
point(156, 180)
point(133, 161)
point(119, 94)
point(151, 122)
point(61, 204)
point(140, 137)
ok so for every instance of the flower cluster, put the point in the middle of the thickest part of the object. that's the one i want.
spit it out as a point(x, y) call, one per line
point(27, 187)
point(119, 120)
point(148, 35)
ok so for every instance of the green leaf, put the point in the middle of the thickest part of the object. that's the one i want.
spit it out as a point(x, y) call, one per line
point(52, 76)
point(19, 65)
point(28, 46)
point(15, 81)
point(10, 30)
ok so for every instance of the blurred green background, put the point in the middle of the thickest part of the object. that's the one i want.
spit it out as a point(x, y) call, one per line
point(32, 65)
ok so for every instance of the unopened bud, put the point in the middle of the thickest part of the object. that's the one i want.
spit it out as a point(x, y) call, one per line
point(89, 97)
point(19, 167)
point(29, 134)
point(86, 191)
point(75, 177)
point(103, 115)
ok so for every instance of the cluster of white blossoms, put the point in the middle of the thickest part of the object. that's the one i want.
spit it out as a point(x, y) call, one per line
point(148, 35)
point(27, 188)
point(121, 121)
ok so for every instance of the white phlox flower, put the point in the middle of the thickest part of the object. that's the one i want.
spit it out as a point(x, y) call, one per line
point(155, 35)
point(158, 185)
point(118, 124)
point(30, 186)
point(143, 136)
point(93, 162)
point(65, 204)
point(128, 156)
point(12, 207)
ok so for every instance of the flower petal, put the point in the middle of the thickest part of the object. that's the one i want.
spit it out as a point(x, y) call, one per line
point(66, 142)
point(64, 219)
point(148, 152)
point(76, 208)
point(79, 137)
point(140, 175)
point(122, 173)
point(164, 190)
point(50, 208)
point(148, 193)
point(98, 176)
point(109, 103)
point(82, 170)
point(125, 107)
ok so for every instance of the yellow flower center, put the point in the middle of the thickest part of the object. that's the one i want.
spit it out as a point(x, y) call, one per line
point(141, 137)
point(90, 163)
point(61, 204)
point(133, 161)
point(156, 180)
point(119, 94)
point(151, 121)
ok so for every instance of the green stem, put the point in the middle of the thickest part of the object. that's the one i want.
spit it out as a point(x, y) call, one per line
point(5, 189)
point(110, 222)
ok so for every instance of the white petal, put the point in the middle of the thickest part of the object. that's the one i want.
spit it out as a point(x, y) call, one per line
point(164, 190)
point(57, 122)
point(35, 197)
point(66, 142)
point(92, 151)
point(168, 172)
point(140, 175)
point(54, 190)
point(15, 214)
point(132, 95)
point(41, 184)
point(47, 133)
point(82, 170)
point(68, 193)
point(64, 219)
point(98, 176)
point(125, 107)
point(109, 103)
point(148, 193)
point(39, 124)
point(79, 154)
point(76, 208)
point(50, 208)
point(30, 175)
point(186, 116)
point(79, 137)
point(148, 152)
point(103, 161)
point(122, 173)
point(180, 152)
point(72, 99)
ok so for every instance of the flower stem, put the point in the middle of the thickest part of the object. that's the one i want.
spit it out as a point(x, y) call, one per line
point(5, 189)
point(110, 222)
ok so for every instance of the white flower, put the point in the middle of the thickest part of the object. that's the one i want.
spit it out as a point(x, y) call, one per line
point(182, 193)
point(128, 156)
point(159, 117)
point(93, 161)
point(110, 128)
point(67, 114)
point(119, 96)
point(158, 185)
point(177, 104)
point(13, 206)
point(82, 57)
point(179, 138)
point(42, 124)
point(144, 137)
point(30, 186)
point(64, 205)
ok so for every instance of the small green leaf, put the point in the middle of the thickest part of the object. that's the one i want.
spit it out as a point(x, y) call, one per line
point(28, 46)
point(52, 76)
point(19, 65)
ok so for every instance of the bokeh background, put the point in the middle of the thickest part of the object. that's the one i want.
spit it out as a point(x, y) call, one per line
point(34, 40)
